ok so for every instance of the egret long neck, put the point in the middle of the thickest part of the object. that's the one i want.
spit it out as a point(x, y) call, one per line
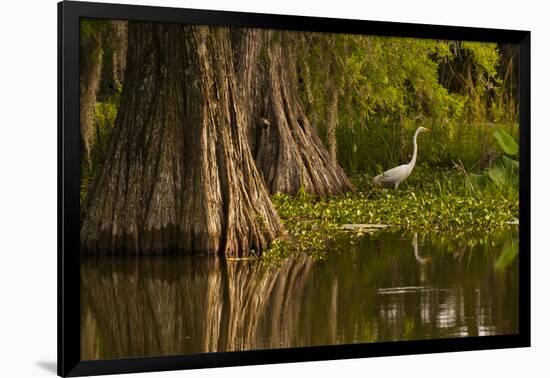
point(415, 149)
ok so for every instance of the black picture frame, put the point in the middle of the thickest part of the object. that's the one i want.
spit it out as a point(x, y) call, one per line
point(69, 363)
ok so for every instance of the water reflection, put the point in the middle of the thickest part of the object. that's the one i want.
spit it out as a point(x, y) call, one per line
point(377, 288)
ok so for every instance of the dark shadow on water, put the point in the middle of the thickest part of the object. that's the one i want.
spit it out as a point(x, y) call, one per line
point(49, 366)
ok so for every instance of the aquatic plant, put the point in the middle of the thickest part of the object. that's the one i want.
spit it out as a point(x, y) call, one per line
point(430, 203)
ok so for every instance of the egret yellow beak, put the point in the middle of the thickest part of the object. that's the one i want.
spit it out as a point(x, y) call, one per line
point(426, 129)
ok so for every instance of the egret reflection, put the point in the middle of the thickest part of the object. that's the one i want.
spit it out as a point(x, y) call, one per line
point(420, 259)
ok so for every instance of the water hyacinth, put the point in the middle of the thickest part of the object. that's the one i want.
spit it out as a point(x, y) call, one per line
point(426, 204)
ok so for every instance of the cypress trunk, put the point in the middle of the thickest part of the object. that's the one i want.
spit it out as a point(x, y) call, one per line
point(115, 46)
point(103, 60)
point(332, 120)
point(90, 75)
point(179, 175)
point(334, 90)
point(288, 152)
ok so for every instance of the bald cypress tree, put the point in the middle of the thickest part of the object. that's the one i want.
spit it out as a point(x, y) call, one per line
point(287, 150)
point(179, 175)
point(91, 58)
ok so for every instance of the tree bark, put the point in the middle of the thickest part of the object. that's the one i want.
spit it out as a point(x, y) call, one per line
point(287, 150)
point(332, 120)
point(179, 176)
point(115, 49)
point(90, 75)
point(103, 49)
point(334, 89)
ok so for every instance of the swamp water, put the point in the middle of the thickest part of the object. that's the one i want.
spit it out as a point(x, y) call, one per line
point(383, 286)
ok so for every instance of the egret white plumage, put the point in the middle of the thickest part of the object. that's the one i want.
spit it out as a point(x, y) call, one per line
point(397, 175)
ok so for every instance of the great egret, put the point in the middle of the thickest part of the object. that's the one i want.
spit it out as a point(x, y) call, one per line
point(397, 175)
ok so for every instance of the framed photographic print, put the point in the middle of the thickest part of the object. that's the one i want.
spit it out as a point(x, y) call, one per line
point(239, 188)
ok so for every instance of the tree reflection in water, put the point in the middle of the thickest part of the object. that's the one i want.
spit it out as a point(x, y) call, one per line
point(378, 289)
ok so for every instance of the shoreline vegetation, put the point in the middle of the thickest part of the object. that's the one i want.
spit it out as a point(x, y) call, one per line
point(440, 203)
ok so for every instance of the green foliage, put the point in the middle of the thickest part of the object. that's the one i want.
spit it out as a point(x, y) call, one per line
point(104, 119)
point(430, 202)
point(503, 174)
point(485, 56)
point(506, 142)
point(391, 86)
point(91, 28)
